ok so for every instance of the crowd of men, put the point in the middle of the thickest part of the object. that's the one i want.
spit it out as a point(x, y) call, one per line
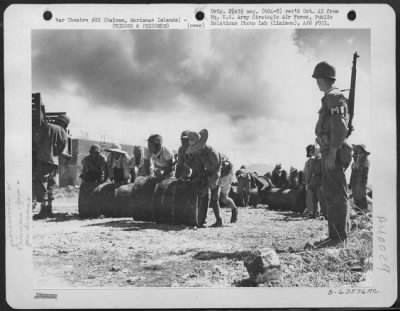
point(323, 176)
point(209, 170)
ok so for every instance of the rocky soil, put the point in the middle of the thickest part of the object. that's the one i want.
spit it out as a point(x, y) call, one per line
point(120, 252)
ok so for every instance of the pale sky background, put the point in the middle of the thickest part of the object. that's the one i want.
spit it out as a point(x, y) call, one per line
point(252, 89)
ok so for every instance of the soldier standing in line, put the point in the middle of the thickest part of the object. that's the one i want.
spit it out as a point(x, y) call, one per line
point(359, 177)
point(94, 166)
point(49, 141)
point(243, 177)
point(293, 178)
point(331, 131)
point(307, 176)
point(315, 184)
point(215, 169)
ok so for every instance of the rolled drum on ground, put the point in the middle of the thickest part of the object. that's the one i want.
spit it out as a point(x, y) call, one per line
point(284, 199)
point(171, 201)
point(176, 202)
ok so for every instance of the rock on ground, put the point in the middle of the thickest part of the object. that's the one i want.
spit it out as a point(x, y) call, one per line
point(263, 266)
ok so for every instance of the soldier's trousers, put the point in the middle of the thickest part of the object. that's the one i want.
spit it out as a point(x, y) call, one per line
point(243, 189)
point(317, 197)
point(43, 180)
point(361, 203)
point(334, 191)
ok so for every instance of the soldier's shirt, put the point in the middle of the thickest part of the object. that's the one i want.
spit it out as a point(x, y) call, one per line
point(133, 162)
point(207, 162)
point(183, 164)
point(98, 164)
point(122, 163)
point(161, 159)
point(50, 141)
point(332, 125)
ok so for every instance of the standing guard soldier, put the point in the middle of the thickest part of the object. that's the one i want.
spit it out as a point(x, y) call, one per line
point(49, 141)
point(244, 179)
point(331, 131)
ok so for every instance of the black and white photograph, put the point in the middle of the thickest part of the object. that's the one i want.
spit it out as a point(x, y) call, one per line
point(211, 158)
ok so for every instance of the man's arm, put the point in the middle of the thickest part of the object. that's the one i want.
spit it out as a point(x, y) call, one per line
point(180, 164)
point(336, 106)
point(125, 167)
point(214, 170)
point(338, 123)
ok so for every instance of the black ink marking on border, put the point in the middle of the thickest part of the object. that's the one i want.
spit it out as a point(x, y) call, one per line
point(351, 15)
point(47, 15)
point(199, 15)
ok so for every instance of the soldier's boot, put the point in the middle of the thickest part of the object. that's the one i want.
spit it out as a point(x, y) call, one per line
point(43, 210)
point(218, 218)
point(234, 217)
point(49, 209)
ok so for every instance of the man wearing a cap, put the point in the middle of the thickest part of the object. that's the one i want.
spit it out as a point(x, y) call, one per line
point(276, 175)
point(49, 141)
point(118, 165)
point(216, 169)
point(94, 166)
point(307, 176)
point(283, 180)
point(183, 165)
point(243, 177)
point(359, 176)
point(315, 184)
point(136, 162)
point(158, 155)
point(293, 178)
point(331, 131)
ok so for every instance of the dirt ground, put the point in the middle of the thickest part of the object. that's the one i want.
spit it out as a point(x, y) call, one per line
point(120, 252)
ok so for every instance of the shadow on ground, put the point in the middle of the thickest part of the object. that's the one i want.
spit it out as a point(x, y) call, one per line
point(291, 216)
point(131, 225)
point(59, 217)
point(210, 255)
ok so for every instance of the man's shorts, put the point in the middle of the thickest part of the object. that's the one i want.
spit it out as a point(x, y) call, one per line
point(225, 183)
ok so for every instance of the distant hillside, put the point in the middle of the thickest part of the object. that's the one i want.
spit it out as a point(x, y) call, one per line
point(261, 169)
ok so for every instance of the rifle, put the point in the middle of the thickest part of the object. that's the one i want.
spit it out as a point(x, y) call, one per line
point(352, 93)
point(41, 117)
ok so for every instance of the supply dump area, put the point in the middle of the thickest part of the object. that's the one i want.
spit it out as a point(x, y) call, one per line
point(70, 251)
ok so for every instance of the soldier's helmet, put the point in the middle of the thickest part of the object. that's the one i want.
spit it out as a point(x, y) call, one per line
point(324, 70)
point(63, 119)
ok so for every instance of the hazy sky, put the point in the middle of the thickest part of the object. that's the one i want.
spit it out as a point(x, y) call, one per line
point(252, 89)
